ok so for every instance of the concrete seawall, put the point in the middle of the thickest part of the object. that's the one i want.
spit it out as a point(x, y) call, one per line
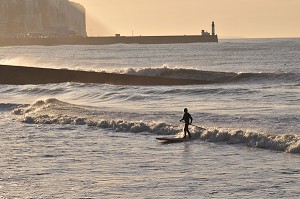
point(108, 40)
point(18, 75)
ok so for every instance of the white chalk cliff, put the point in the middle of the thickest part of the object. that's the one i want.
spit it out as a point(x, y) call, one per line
point(42, 17)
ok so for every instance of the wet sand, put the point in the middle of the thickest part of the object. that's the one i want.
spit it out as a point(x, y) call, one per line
point(20, 75)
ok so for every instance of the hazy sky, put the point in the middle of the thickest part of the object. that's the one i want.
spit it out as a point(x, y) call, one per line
point(233, 18)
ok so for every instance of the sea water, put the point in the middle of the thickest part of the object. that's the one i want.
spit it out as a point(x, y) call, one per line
point(75, 140)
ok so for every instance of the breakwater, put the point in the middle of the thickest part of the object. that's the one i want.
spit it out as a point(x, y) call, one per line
point(51, 41)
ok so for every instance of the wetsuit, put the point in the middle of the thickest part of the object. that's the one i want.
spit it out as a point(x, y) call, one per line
point(186, 118)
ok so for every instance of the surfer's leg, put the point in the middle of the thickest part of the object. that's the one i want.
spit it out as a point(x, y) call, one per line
point(189, 133)
point(186, 129)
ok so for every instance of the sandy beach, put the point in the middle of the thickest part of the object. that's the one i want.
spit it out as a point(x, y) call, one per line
point(20, 75)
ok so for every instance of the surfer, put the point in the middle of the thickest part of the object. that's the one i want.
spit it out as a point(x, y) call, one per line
point(186, 118)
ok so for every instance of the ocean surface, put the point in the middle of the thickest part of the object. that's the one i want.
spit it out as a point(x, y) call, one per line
point(75, 140)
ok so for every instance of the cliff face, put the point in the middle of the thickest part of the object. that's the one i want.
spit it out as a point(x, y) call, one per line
point(77, 14)
point(41, 18)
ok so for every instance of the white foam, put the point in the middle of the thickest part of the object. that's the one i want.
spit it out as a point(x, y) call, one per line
point(282, 142)
point(53, 111)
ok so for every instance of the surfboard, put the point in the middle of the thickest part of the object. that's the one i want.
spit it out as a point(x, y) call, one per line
point(172, 139)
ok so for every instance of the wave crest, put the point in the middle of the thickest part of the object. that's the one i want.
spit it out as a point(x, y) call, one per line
point(283, 142)
point(53, 111)
point(116, 125)
point(213, 76)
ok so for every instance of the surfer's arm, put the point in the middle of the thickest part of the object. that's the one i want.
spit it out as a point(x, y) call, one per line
point(182, 119)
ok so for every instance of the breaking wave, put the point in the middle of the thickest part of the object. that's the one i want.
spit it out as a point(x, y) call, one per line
point(283, 142)
point(213, 76)
point(53, 111)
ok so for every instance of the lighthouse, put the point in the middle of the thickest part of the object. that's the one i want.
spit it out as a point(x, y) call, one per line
point(213, 28)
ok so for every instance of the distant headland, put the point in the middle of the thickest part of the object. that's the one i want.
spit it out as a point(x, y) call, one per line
point(63, 22)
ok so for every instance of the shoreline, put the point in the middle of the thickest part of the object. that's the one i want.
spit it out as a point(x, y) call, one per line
point(22, 75)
